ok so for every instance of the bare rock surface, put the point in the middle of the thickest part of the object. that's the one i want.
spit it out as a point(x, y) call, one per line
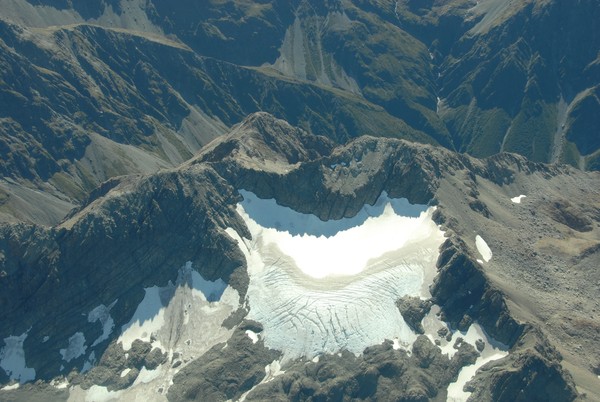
point(535, 294)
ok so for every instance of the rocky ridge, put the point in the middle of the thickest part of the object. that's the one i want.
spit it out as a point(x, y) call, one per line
point(109, 88)
point(154, 224)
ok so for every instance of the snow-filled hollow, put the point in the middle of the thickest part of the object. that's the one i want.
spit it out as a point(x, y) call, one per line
point(320, 287)
point(482, 247)
point(341, 247)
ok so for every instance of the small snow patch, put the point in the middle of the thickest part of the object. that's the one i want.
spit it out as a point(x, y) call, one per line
point(125, 372)
point(272, 370)
point(252, 335)
point(91, 361)
point(75, 348)
point(11, 387)
point(12, 359)
point(517, 199)
point(46, 338)
point(60, 384)
point(483, 248)
point(398, 345)
point(102, 314)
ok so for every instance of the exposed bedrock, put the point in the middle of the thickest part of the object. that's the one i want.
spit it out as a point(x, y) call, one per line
point(531, 372)
point(136, 232)
point(137, 235)
point(464, 294)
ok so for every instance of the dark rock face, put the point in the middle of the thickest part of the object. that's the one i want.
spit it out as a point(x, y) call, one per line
point(226, 371)
point(70, 273)
point(464, 294)
point(238, 32)
point(507, 82)
point(108, 371)
point(563, 212)
point(381, 373)
point(153, 224)
point(84, 86)
point(540, 377)
point(413, 310)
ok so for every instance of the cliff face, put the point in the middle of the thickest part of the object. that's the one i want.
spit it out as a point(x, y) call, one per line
point(140, 236)
point(503, 88)
point(108, 88)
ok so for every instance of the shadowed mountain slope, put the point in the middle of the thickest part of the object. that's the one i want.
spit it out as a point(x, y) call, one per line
point(535, 294)
point(96, 90)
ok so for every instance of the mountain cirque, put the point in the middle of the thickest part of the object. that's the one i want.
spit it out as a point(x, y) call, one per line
point(132, 153)
point(167, 235)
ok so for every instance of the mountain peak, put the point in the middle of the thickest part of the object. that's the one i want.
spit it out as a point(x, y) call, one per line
point(265, 142)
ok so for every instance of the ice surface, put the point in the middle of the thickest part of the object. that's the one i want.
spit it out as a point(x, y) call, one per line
point(341, 247)
point(483, 248)
point(334, 286)
point(102, 314)
point(517, 199)
point(12, 359)
point(75, 348)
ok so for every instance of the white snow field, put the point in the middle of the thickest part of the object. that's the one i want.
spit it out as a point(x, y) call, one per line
point(183, 319)
point(320, 287)
point(148, 321)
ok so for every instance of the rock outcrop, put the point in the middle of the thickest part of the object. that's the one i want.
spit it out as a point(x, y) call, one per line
point(136, 232)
